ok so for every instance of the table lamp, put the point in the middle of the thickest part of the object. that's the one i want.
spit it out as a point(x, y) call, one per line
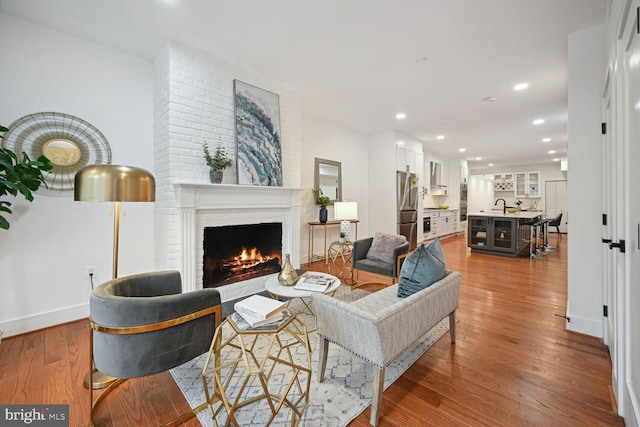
point(113, 183)
point(345, 211)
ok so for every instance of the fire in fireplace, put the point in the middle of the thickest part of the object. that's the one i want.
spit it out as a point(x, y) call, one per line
point(234, 253)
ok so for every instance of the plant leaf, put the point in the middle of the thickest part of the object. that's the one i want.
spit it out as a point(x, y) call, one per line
point(4, 223)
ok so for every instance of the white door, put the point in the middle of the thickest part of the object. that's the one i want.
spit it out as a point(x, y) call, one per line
point(555, 202)
point(630, 295)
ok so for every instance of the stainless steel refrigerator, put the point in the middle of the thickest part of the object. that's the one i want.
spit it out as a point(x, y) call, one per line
point(407, 192)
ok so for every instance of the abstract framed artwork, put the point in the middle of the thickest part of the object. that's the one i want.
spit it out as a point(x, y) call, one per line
point(258, 135)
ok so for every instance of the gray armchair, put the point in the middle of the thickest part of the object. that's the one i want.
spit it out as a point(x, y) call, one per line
point(386, 265)
point(143, 324)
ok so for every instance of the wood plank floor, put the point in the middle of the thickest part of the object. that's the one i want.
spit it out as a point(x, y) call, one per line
point(513, 363)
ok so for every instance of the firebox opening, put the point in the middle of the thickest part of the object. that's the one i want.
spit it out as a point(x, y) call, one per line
point(234, 253)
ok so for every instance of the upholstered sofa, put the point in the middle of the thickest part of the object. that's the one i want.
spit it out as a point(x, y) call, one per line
point(380, 326)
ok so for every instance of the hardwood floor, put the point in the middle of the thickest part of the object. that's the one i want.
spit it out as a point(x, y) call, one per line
point(513, 362)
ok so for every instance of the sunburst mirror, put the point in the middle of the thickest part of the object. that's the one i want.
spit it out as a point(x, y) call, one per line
point(68, 141)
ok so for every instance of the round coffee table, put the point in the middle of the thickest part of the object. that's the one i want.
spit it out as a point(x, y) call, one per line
point(276, 290)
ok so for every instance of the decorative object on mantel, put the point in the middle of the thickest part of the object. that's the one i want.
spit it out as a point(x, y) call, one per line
point(345, 212)
point(258, 135)
point(323, 201)
point(288, 275)
point(113, 183)
point(19, 175)
point(70, 142)
point(218, 162)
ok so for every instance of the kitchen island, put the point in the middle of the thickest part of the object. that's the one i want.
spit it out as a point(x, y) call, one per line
point(497, 233)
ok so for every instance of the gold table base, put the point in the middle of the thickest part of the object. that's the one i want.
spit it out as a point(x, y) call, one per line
point(258, 358)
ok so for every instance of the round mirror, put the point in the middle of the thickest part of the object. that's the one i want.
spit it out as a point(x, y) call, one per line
point(62, 152)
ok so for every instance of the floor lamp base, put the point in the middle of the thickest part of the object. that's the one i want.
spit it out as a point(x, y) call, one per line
point(98, 380)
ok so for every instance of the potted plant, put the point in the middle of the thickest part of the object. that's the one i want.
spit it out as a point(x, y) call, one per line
point(342, 237)
point(218, 162)
point(518, 203)
point(19, 175)
point(323, 201)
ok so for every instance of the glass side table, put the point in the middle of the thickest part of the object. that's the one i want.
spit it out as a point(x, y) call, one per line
point(338, 261)
point(270, 368)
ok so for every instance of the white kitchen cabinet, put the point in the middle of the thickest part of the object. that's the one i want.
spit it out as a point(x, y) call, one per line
point(527, 184)
point(503, 182)
point(409, 160)
point(443, 222)
point(464, 172)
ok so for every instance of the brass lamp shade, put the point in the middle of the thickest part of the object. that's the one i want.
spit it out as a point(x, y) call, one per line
point(113, 183)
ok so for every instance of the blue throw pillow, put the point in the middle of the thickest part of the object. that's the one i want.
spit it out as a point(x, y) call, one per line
point(421, 269)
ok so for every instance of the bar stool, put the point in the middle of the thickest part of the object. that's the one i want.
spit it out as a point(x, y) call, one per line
point(538, 248)
point(532, 236)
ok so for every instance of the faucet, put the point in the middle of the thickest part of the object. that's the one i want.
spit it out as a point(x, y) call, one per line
point(504, 205)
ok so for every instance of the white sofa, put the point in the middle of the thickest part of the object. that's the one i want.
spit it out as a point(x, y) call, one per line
point(380, 326)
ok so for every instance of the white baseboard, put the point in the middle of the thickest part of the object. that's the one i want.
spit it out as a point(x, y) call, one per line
point(585, 325)
point(632, 406)
point(44, 320)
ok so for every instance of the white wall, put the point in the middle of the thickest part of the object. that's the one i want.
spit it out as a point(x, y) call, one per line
point(51, 240)
point(587, 61)
point(326, 140)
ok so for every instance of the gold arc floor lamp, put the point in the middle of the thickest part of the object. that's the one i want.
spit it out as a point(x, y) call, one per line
point(112, 183)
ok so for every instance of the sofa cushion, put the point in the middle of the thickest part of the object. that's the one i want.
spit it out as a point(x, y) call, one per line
point(421, 269)
point(383, 245)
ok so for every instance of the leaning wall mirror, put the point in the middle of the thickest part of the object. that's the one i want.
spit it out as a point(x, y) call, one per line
point(328, 177)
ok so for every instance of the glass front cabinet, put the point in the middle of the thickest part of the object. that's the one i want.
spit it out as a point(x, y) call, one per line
point(501, 236)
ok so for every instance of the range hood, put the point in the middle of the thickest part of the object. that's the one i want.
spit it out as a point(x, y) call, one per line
point(436, 174)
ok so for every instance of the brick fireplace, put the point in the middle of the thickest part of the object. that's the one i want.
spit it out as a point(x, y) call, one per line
point(210, 205)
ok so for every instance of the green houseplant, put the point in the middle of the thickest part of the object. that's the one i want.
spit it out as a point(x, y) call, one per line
point(19, 175)
point(323, 201)
point(218, 162)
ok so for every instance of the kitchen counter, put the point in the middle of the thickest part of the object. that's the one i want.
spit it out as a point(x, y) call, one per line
point(518, 214)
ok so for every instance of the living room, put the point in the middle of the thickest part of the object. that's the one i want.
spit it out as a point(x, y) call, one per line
point(54, 239)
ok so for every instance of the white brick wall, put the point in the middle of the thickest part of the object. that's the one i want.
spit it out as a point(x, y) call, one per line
point(194, 105)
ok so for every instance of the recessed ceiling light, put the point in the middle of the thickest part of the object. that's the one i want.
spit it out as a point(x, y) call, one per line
point(462, 150)
point(521, 86)
point(401, 116)
point(490, 164)
point(552, 151)
point(478, 158)
point(546, 139)
point(538, 121)
point(556, 160)
point(490, 99)
point(440, 137)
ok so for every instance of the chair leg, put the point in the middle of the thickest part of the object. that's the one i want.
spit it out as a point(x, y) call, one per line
point(452, 326)
point(559, 233)
point(322, 357)
point(376, 399)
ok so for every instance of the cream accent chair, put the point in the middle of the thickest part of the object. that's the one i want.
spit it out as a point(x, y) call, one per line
point(379, 327)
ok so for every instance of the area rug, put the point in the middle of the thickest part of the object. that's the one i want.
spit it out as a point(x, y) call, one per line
point(342, 396)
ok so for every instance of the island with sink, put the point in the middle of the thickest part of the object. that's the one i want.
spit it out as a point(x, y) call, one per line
point(501, 233)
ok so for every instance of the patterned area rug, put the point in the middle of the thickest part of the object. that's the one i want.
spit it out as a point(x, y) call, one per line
point(344, 394)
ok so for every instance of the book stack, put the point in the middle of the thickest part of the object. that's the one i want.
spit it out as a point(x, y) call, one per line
point(259, 311)
point(314, 283)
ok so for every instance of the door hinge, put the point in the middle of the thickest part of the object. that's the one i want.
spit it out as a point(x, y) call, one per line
point(637, 20)
point(604, 219)
point(620, 245)
point(605, 311)
point(604, 128)
point(606, 241)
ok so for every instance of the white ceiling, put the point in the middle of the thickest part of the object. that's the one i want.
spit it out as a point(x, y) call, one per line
point(359, 62)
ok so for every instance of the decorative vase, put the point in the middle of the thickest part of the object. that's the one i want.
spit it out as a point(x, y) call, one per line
point(288, 275)
point(215, 176)
point(323, 214)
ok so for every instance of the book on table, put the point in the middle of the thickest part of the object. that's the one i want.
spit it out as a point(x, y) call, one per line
point(259, 307)
point(314, 283)
point(243, 321)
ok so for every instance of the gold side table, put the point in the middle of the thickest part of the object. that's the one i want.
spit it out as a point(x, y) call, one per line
point(245, 367)
point(339, 256)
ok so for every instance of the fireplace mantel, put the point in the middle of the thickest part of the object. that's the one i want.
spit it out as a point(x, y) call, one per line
point(234, 201)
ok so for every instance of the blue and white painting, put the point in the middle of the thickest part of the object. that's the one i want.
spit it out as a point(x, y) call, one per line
point(258, 135)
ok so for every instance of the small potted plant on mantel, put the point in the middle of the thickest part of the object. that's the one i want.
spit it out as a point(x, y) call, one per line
point(323, 201)
point(218, 162)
